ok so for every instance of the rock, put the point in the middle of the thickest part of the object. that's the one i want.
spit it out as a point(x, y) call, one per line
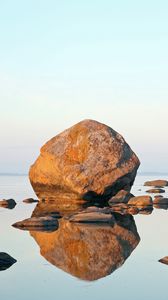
point(9, 203)
point(92, 217)
point(157, 183)
point(89, 160)
point(158, 196)
point(121, 197)
point(155, 191)
point(146, 210)
point(141, 201)
point(164, 260)
point(132, 210)
point(159, 187)
point(119, 207)
point(161, 206)
point(6, 261)
point(86, 251)
point(125, 209)
point(30, 200)
point(161, 201)
point(46, 223)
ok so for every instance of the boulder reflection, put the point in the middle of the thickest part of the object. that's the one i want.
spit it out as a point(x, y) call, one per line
point(87, 251)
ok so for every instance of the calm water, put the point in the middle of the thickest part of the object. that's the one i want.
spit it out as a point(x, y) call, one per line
point(33, 277)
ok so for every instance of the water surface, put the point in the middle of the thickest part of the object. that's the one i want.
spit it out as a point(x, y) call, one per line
point(37, 276)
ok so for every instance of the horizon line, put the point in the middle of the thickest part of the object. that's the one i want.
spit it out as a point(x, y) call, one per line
point(138, 173)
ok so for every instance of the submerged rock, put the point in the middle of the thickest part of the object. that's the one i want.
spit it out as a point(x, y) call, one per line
point(89, 251)
point(6, 261)
point(30, 200)
point(164, 260)
point(155, 191)
point(121, 197)
point(141, 201)
point(156, 183)
point(45, 223)
point(89, 160)
point(9, 203)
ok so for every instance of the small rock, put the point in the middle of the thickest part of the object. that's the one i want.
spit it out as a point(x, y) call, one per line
point(164, 260)
point(161, 206)
point(160, 201)
point(6, 261)
point(158, 187)
point(124, 209)
point(30, 200)
point(132, 210)
point(141, 201)
point(9, 203)
point(157, 183)
point(146, 211)
point(119, 207)
point(155, 191)
point(158, 196)
point(121, 197)
point(92, 217)
point(36, 223)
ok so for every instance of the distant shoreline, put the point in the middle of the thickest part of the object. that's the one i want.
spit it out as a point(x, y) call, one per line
point(150, 173)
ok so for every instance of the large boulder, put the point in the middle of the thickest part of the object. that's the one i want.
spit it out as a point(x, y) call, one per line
point(87, 160)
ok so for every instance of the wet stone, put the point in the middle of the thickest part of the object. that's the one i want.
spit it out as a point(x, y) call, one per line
point(6, 261)
point(157, 183)
point(164, 260)
point(92, 217)
point(155, 191)
point(121, 197)
point(141, 201)
point(9, 203)
point(38, 223)
point(30, 200)
point(160, 201)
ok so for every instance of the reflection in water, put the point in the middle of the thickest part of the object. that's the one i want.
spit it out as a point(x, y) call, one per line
point(87, 251)
point(6, 261)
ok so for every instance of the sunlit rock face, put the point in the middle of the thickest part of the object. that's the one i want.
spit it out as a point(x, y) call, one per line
point(89, 251)
point(87, 160)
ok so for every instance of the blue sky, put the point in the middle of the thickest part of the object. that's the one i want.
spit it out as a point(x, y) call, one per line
point(64, 61)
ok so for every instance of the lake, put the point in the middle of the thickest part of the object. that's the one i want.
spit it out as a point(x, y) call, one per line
point(35, 276)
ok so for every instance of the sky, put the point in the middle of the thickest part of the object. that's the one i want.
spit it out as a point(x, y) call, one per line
point(65, 61)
